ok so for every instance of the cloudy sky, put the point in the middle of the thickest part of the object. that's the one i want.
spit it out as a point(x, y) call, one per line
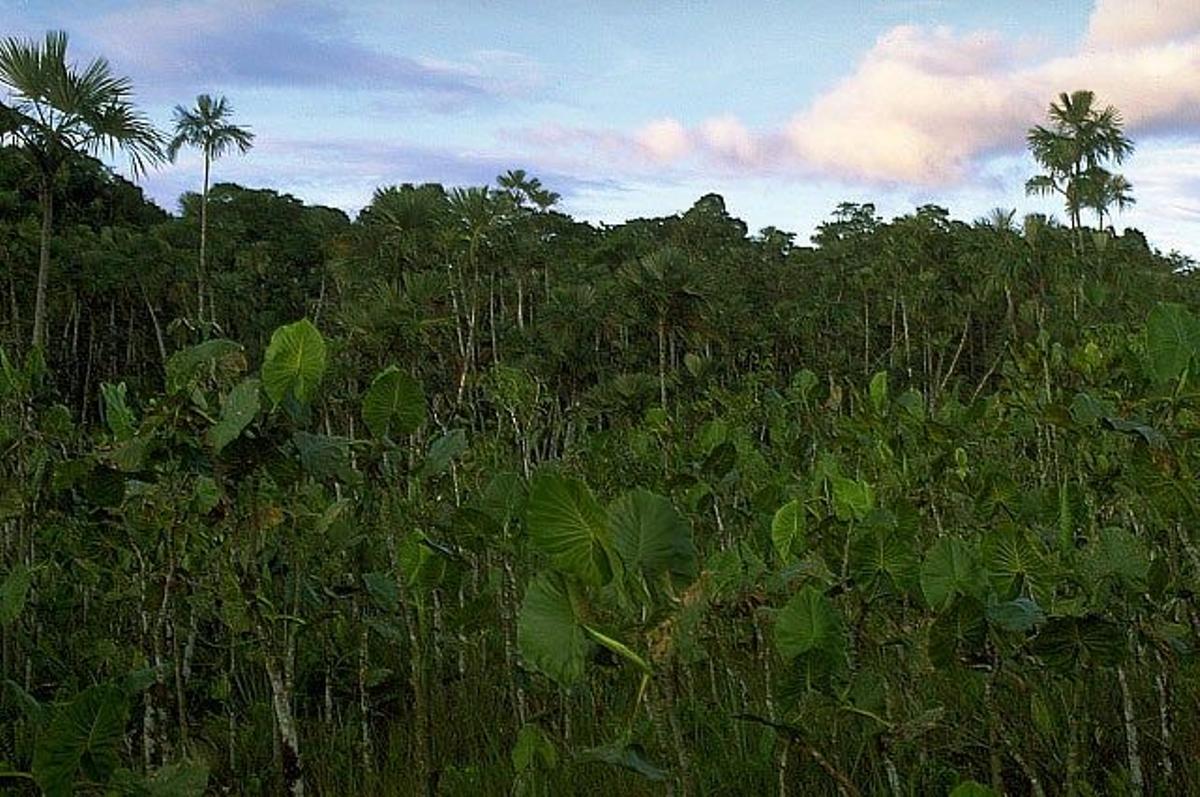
point(632, 108)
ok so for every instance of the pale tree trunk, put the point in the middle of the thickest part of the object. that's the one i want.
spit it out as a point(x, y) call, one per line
point(43, 278)
point(662, 362)
point(200, 270)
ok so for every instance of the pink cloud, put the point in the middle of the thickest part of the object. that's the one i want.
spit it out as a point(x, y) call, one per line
point(663, 140)
point(1135, 23)
point(728, 140)
point(924, 105)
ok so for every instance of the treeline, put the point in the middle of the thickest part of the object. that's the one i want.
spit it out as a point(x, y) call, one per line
point(471, 277)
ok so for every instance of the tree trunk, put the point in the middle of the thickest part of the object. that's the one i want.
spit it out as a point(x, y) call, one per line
point(662, 362)
point(200, 269)
point(46, 192)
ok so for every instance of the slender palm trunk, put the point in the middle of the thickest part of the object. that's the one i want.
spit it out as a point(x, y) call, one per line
point(43, 278)
point(662, 361)
point(200, 270)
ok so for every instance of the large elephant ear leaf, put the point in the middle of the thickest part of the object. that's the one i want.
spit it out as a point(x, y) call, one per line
point(1172, 340)
point(951, 569)
point(294, 362)
point(237, 411)
point(1068, 643)
point(83, 740)
point(651, 536)
point(787, 529)
point(853, 499)
point(808, 623)
point(184, 366)
point(394, 404)
point(549, 634)
point(566, 523)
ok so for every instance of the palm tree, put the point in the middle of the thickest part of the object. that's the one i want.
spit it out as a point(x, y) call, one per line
point(207, 128)
point(526, 190)
point(54, 111)
point(1104, 190)
point(1080, 138)
point(667, 288)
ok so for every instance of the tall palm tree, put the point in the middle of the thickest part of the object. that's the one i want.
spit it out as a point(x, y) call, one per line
point(1080, 137)
point(207, 128)
point(667, 288)
point(56, 110)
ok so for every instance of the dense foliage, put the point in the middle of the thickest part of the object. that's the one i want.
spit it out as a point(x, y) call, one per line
point(468, 497)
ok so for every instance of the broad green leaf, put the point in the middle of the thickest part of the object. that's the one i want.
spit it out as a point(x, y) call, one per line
point(533, 749)
point(1018, 615)
point(383, 590)
point(117, 413)
point(422, 567)
point(444, 450)
point(806, 623)
point(325, 456)
point(1070, 643)
point(651, 536)
point(504, 496)
point(181, 779)
point(951, 569)
point(237, 411)
point(881, 559)
point(13, 592)
point(294, 362)
point(627, 755)
point(205, 495)
point(957, 633)
point(803, 383)
point(1172, 340)
point(879, 391)
point(565, 522)
point(1086, 409)
point(186, 364)
point(971, 788)
point(394, 404)
point(1119, 555)
point(913, 403)
point(83, 740)
point(1148, 433)
point(787, 529)
point(1016, 566)
point(549, 635)
point(853, 499)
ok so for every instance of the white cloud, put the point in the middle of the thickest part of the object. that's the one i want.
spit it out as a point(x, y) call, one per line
point(663, 140)
point(729, 140)
point(926, 105)
point(1135, 23)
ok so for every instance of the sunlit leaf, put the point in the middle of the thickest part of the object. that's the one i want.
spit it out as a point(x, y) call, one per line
point(294, 362)
point(566, 523)
point(394, 404)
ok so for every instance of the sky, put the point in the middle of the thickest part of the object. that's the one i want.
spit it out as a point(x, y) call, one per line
point(634, 108)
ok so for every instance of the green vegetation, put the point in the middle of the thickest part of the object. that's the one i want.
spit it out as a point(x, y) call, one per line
point(468, 497)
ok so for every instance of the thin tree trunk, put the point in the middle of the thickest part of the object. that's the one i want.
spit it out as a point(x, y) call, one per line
point(662, 362)
point(43, 278)
point(201, 286)
point(1136, 780)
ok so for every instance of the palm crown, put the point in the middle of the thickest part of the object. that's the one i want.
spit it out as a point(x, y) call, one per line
point(207, 128)
point(55, 109)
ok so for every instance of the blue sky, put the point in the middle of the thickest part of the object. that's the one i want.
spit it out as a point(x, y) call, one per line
point(638, 108)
